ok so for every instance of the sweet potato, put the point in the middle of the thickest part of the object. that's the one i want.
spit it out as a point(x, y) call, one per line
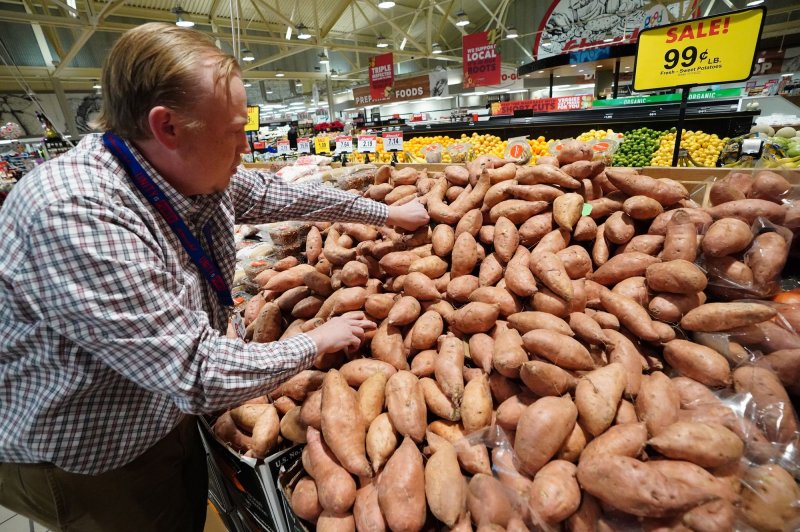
point(433, 266)
point(561, 350)
point(366, 511)
point(769, 499)
point(647, 244)
point(517, 211)
point(676, 277)
point(405, 403)
point(726, 237)
point(650, 489)
point(470, 223)
point(379, 305)
point(443, 240)
point(473, 457)
point(714, 317)
point(491, 271)
point(619, 267)
point(506, 239)
point(672, 307)
point(510, 410)
point(698, 362)
point(530, 320)
point(642, 208)
point(518, 276)
point(769, 186)
point(304, 501)
point(619, 228)
point(457, 175)
point(313, 245)
point(665, 191)
point(542, 429)
point(387, 346)
point(406, 310)
point(342, 424)
point(567, 210)
point(476, 317)
point(634, 288)
point(705, 444)
point(381, 441)
point(786, 365)
point(371, 397)
point(532, 231)
point(267, 325)
point(476, 406)
point(401, 489)
point(464, 255)
point(445, 486)
point(438, 403)
point(699, 217)
point(680, 241)
point(421, 287)
point(586, 518)
point(555, 494)
point(711, 516)
point(630, 314)
point(748, 210)
point(336, 489)
point(349, 299)
point(766, 258)
point(584, 169)
point(459, 289)
point(628, 439)
point(658, 402)
point(597, 395)
point(576, 260)
point(770, 398)
point(307, 307)
point(426, 330)
point(549, 269)
point(507, 303)
point(508, 354)
point(545, 379)
point(587, 329)
point(533, 193)
point(573, 151)
point(545, 175)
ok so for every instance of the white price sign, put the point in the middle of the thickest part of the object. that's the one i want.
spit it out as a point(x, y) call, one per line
point(304, 145)
point(344, 144)
point(283, 147)
point(367, 143)
point(393, 141)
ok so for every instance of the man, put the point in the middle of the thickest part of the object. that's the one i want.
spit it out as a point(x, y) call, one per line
point(292, 136)
point(115, 264)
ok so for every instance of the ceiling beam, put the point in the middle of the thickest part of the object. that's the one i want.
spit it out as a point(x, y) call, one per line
point(336, 14)
point(397, 28)
point(82, 39)
point(446, 14)
point(272, 58)
point(505, 30)
point(280, 16)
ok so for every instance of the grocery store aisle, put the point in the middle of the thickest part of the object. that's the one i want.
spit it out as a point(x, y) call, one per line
point(11, 522)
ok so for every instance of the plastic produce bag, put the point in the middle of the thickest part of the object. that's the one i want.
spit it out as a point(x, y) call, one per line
point(433, 153)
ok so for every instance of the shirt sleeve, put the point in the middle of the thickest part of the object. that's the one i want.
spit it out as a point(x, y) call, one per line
point(264, 198)
point(96, 276)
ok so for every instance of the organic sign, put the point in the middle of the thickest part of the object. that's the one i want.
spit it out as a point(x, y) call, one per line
point(482, 64)
point(718, 49)
point(381, 76)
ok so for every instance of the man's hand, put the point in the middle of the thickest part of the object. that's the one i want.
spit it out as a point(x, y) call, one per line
point(342, 332)
point(410, 216)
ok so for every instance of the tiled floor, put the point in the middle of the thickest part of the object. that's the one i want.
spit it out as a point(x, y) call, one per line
point(11, 522)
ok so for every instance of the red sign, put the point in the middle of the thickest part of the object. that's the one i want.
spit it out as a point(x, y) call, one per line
point(543, 105)
point(381, 76)
point(482, 65)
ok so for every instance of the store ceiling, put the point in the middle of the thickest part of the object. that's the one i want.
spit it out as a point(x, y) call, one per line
point(62, 43)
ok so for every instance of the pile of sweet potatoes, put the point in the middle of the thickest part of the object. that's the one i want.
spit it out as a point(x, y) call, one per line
point(548, 356)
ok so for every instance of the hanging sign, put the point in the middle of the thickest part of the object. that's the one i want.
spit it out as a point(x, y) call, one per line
point(392, 140)
point(322, 145)
point(283, 147)
point(344, 144)
point(718, 49)
point(543, 105)
point(252, 118)
point(381, 76)
point(304, 145)
point(482, 64)
point(367, 143)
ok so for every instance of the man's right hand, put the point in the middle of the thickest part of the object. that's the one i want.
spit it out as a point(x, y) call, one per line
point(342, 332)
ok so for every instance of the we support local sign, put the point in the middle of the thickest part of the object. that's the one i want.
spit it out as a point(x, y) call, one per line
point(482, 64)
point(718, 49)
point(543, 105)
point(381, 76)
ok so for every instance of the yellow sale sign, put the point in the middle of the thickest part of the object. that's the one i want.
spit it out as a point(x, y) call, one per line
point(322, 145)
point(252, 119)
point(718, 49)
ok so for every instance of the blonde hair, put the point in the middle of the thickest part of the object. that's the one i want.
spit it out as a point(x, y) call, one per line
point(156, 64)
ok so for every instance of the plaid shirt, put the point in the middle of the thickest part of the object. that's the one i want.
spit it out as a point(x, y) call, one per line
point(109, 334)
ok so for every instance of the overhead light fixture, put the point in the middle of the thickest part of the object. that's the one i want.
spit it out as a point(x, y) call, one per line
point(302, 34)
point(288, 33)
point(754, 3)
point(323, 58)
point(179, 20)
point(247, 55)
point(512, 33)
point(268, 91)
point(299, 82)
point(541, 72)
point(383, 42)
point(436, 49)
point(334, 73)
point(386, 4)
point(403, 43)
point(247, 84)
point(97, 85)
point(461, 18)
point(279, 74)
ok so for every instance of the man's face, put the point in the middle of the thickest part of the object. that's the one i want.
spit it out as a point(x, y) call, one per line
point(212, 151)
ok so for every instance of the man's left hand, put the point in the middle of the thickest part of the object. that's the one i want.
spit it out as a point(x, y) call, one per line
point(410, 216)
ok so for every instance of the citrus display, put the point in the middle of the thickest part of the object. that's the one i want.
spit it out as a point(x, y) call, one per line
point(599, 134)
point(703, 148)
point(638, 147)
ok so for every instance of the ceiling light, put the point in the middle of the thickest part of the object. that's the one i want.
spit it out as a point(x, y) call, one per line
point(436, 49)
point(383, 42)
point(334, 73)
point(247, 84)
point(573, 66)
point(754, 3)
point(403, 43)
point(288, 33)
point(299, 82)
point(512, 33)
point(179, 20)
point(323, 58)
point(268, 91)
point(247, 55)
point(96, 85)
point(385, 4)
point(302, 34)
point(461, 18)
point(541, 72)
point(279, 74)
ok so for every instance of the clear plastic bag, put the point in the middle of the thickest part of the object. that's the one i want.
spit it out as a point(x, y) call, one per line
point(433, 153)
point(459, 153)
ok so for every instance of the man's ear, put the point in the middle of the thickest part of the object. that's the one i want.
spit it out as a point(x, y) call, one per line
point(164, 126)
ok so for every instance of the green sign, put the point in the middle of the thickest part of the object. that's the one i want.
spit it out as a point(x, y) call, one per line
point(662, 98)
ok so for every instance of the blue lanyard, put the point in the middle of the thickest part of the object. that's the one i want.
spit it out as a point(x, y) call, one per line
point(159, 201)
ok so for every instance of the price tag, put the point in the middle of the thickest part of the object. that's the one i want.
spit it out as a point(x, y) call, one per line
point(283, 147)
point(322, 145)
point(393, 141)
point(344, 144)
point(367, 143)
point(703, 51)
point(304, 145)
point(238, 325)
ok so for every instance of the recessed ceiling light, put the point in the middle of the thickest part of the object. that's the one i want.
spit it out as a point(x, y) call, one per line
point(385, 4)
point(247, 84)
point(462, 19)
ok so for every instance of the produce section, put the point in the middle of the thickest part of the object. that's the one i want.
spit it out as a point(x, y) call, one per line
point(559, 347)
